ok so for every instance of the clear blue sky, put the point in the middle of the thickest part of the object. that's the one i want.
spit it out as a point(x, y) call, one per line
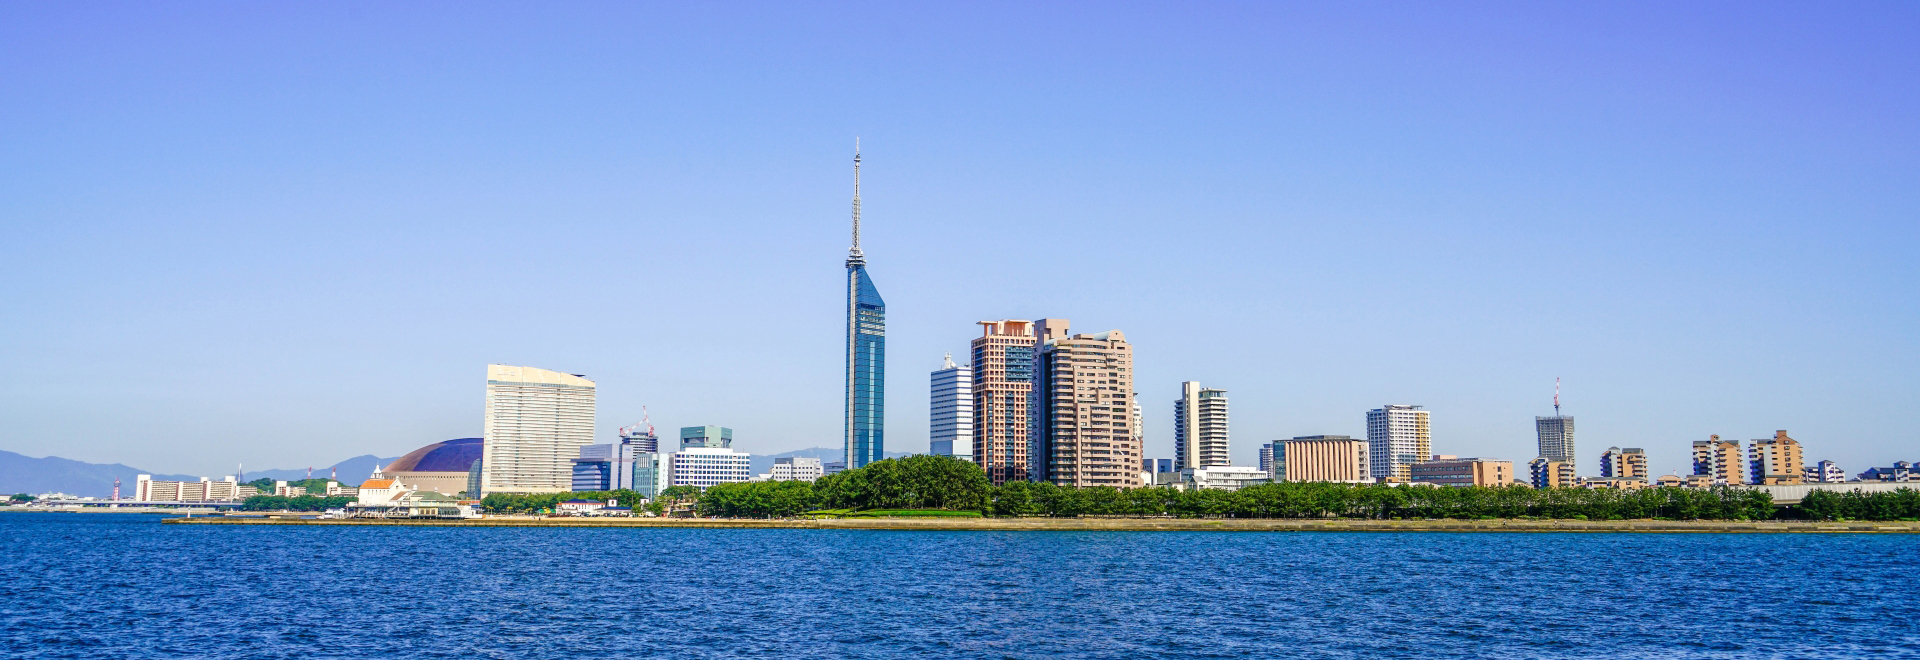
point(287, 233)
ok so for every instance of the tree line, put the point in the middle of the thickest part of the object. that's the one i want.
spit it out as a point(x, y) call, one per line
point(1902, 504)
point(939, 482)
point(301, 503)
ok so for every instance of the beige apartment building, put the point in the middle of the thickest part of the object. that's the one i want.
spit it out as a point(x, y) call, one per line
point(1003, 399)
point(1544, 472)
point(1332, 458)
point(1628, 463)
point(536, 422)
point(1720, 460)
point(1085, 408)
point(1775, 462)
point(1446, 470)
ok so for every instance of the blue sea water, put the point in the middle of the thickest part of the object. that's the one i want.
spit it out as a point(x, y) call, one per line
point(125, 586)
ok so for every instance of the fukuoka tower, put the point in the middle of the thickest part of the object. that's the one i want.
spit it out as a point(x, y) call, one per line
point(866, 350)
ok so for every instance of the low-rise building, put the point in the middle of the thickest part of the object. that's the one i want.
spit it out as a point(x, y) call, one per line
point(1223, 477)
point(1824, 472)
point(1618, 483)
point(281, 489)
point(797, 468)
point(1445, 470)
point(226, 489)
point(1899, 471)
point(1544, 472)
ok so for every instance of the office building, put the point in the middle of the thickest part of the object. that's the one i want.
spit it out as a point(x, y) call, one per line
point(1719, 460)
point(1331, 458)
point(1901, 471)
point(593, 469)
point(1266, 461)
point(866, 351)
point(1556, 437)
point(1774, 461)
point(798, 468)
point(712, 437)
point(707, 466)
point(1397, 437)
point(1003, 400)
point(1825, 472)
point(1629, 463)
point(1085, 408)
point(951, 428)
point(1200, 427)
point(635, 460)
point(1454, 471)
point(536, 422)
point(1545, 472)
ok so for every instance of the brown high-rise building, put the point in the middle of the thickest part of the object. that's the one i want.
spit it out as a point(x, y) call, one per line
point(1003, 399)
point(1719, 460)
point(1775, 462)
point(1085, 409)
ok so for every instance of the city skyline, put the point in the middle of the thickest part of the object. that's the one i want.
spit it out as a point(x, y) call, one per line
point(1451, 209)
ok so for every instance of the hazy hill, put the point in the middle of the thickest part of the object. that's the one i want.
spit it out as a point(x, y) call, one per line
point(26, 474)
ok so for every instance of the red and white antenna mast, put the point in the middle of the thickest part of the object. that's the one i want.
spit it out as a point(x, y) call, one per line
point(1556, 396)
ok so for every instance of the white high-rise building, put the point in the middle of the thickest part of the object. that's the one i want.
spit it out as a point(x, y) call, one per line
point(1200, 428)
point(536, 423)
point(952, 421)
point(1397, 437)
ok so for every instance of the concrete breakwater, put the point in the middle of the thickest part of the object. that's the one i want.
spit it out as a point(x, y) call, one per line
point(1120, 524)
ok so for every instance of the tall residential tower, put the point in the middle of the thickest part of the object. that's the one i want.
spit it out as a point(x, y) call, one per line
point(1003, 400)
point(1397, 437)
point(1200, 428)
point(1085, 426)
point(866, 350)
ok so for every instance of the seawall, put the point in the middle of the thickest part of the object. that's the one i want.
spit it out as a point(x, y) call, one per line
point(1120, 524)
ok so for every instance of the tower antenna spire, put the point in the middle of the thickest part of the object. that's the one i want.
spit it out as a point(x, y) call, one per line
point(854, 256)
point(1556, 396)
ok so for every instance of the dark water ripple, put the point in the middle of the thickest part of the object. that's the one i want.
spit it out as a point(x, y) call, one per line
point(124, 586)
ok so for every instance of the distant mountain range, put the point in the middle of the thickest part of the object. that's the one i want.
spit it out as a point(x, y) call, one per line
point(26, 474)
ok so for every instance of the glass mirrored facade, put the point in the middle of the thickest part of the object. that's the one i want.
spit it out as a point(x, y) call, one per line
point(866, 368)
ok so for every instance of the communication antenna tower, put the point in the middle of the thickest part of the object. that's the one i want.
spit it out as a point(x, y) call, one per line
point(1556, 396)
point(116, 489)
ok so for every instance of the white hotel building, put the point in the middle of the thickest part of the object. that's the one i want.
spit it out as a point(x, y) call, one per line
point(536, 423)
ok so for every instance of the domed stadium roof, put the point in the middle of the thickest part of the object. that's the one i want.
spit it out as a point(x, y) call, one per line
point(451, 456)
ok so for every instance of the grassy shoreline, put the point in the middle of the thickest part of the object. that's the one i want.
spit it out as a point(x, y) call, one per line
point(1123, 524)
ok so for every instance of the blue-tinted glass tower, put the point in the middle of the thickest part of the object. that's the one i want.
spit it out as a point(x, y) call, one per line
point(866, 350)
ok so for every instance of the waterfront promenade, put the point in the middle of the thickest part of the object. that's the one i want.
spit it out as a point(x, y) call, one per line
point(1118, 524)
